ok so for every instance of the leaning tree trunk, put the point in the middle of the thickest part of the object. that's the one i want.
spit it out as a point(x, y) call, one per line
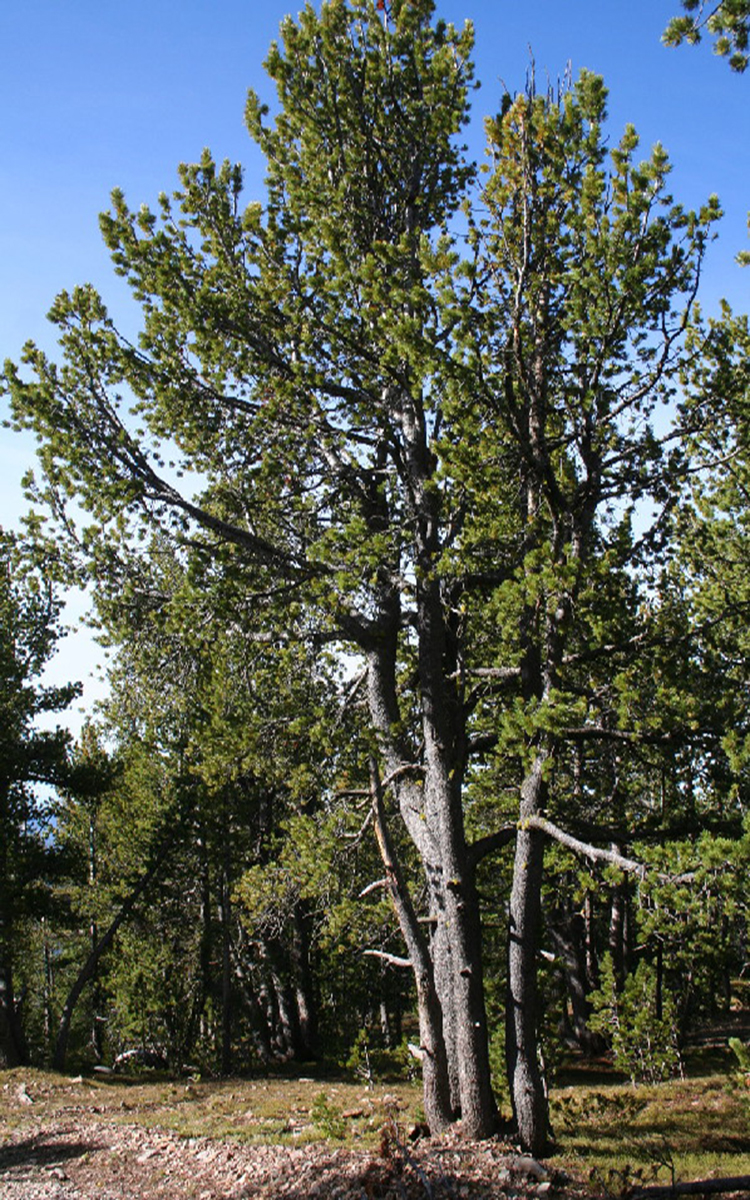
point(437, 1100)
point(527, 1087)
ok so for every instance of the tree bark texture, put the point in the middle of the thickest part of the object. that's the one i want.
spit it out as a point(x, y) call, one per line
point(527, 1088)
point(437, 1098)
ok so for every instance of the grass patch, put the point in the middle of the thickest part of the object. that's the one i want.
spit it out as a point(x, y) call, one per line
point(693, 1128)
point(264, 1111)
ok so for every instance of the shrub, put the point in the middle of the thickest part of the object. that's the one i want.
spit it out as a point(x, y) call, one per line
point(644, 1044)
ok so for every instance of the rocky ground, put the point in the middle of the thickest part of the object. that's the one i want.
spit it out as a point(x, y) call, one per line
point(150, 1138)
point(60, 1144)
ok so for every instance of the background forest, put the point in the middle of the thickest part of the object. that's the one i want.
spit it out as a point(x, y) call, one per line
point(416, 524)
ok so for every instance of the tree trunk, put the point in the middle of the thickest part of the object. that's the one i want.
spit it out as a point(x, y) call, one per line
point(527, 1087)
point(88, 970)
point(227, 990)
point(437, 1102)
point(304, 992)
point(13, 1047)
point(456, 941)
point(456, 955)
point(433, 817)
point(617, 928)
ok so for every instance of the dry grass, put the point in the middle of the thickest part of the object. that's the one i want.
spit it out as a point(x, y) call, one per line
point(609, 1134)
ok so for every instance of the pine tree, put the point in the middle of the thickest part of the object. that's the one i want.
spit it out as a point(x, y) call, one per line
point(32, 762)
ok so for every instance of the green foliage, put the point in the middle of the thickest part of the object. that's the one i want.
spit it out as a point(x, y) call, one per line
point(644, 1042)
point(741, 1052)
point(424, 450)
point(727, 21)
point(32, 764)
point(372, 1062)
point(327, 1117)
point(693, 903)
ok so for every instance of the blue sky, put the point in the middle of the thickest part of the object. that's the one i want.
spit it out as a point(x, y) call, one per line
point(95, 95)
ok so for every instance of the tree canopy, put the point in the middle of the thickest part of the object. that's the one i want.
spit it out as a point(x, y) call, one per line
point(727, 22)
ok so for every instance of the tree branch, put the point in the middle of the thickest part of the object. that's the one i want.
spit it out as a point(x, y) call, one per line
point(493, 841)
point(393, 959)
point(594, 853)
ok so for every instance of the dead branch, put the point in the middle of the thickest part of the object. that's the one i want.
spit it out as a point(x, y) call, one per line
point(392, 959)
point(373, 887)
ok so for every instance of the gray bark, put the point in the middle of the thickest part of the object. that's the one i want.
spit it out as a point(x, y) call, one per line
point(437, 1102)
point(527, 1088)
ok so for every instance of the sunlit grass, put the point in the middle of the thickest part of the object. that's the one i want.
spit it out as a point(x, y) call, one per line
point(285, 1110)
point(694, 1128)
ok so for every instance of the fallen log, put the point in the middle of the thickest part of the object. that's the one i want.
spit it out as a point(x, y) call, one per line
point(700, 1187)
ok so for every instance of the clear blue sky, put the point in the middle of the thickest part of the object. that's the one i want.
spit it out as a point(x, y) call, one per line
point(95, 95)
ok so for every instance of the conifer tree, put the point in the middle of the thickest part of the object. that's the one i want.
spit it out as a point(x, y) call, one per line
point(423, 455)
point(29, 757)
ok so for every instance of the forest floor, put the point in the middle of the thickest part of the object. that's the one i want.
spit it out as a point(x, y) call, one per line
point(107, 1137)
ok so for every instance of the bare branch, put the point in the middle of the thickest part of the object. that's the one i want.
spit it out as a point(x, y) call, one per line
point(373, 887)
point(594, 853)
point(492, 841)
point(392, 959)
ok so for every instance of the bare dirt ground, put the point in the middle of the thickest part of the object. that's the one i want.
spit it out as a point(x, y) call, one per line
point(73, 1140)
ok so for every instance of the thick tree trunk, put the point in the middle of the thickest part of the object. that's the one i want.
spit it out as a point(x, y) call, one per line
point(457, 959)
point(457, 954)
point(433, 817)
point(527, 1087)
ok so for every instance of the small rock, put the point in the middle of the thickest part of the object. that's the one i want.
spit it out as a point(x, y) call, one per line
point(147, 1154)
point(524, 1164)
